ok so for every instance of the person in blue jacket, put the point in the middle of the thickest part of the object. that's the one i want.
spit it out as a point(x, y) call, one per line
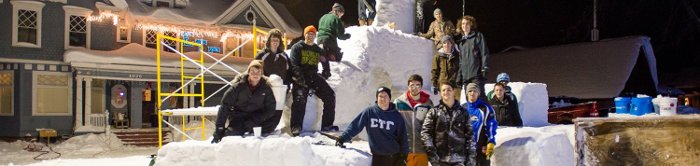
point(484, 122)
point(388, 139)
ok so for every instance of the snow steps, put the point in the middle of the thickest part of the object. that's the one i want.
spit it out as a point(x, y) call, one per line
point(141, 137)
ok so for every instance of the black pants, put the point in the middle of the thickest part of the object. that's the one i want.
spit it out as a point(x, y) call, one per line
point(236, 125)
point(481, 157)
point(323, 91)
point(388, 160)
point(330, 46)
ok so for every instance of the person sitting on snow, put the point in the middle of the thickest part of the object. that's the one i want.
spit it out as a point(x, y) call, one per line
point(406, 104)
point(447, 133)
point(248, 103)
point(439, 28)
point(385, 128)
point(331, 27)
point(507, 113)
point(305, 56)
point(483, 120)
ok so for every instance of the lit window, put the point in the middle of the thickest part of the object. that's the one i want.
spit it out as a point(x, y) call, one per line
point(6, 95)
point(48, 85)
point(97, 97)
point(150, 38)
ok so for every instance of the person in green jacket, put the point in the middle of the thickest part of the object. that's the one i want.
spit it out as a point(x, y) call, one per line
point(331, 27)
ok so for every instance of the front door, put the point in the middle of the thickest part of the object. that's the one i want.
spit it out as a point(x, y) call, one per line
point(119, 105)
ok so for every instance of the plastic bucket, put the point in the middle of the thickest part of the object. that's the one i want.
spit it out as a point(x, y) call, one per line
point(667, 106)
point(641, 106)
point(280, 93)
point(622, 105)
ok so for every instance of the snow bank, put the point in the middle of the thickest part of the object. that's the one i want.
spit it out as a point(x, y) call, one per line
point(533, 101)
point(122, 161)
point(400, 12)
point(550, 145)
point(273, 150)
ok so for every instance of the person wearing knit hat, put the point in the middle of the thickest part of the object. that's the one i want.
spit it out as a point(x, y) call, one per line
point(304, 58)
point(385, 128)
point(483, 119)
point(445, 65)
point(439, 28)
point(246, 104)
point(330, 28)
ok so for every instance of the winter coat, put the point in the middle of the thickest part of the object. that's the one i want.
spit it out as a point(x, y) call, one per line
point(304, 62)
point(438, 29)
point(508, 90)
point(413, 119)
point(385, 130)
point(473, 56)
point(507, 113)
point(242, 100)
point(445, 67)
point(448, 134)
point(277, 63)
point(331, 27)
point(483, 119)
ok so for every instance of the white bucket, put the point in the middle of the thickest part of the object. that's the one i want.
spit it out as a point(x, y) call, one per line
point(280, 93)
point(667, 106)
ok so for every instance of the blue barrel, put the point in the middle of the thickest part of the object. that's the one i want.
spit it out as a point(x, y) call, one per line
point(641, 106)
point(622, 105)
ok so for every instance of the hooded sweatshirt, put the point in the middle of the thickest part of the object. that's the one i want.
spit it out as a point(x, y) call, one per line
point(385, 129)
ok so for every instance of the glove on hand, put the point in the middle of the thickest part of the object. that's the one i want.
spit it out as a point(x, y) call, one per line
point(218, 134)
point(489, 150)
point(339, 143)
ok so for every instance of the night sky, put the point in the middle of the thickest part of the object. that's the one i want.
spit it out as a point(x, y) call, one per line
point(673, 26)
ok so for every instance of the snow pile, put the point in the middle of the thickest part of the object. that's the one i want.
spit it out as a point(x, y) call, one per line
point(273, 150)
point(550, 145)
point(131, 160)
point(400, 12)
point(89, 143)
point(373, 57)
point(532, 101)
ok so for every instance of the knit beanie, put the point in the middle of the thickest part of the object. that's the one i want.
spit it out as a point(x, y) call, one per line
point(309, 28)
point(383, 89)
point(472, 86)
point(436, 11)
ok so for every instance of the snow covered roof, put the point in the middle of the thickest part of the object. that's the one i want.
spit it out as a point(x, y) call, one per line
point(197, 11)
point(601, 69)
point(276, 13)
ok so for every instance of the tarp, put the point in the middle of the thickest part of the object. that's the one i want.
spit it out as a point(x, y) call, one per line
point(588, 70)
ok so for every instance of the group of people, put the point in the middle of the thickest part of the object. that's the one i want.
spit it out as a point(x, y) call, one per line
point(411, 130)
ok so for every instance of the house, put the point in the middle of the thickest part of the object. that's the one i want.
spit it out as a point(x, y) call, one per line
point(64, 63)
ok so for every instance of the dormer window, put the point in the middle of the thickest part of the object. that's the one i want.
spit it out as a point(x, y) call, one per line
point(77, 27)
point(26, 23)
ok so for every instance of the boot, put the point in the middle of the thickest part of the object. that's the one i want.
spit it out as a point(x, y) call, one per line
point(369, 22)
point(362, 22)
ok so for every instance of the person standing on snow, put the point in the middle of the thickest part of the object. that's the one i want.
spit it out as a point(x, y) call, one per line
point(445, 65)
point(473, 55)
point(507, 113)
point(406, 104)
point(366, 11)
point(447, 132)
point(331, 27)
point(248, 103)
point(439, 28)
point(385, 128)
point(305, 56)
point(483, 119)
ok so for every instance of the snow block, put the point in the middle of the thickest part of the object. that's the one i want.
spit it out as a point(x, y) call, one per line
point(400, 12)
point(533, 101)
point(550, 145)
point(252, 151)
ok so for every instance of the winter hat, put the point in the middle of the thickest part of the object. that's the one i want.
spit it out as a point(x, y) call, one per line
point(472, 86)
point(445, 38)
point(503, 77)
point(383, 89)
point(338, 7)
point(436, 11)
point(309, 28)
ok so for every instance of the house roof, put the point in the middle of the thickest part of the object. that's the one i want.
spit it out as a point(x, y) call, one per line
point(599, 69)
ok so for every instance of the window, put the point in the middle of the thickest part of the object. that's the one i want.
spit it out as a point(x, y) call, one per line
point(171, 43)
point(6, 94)
point(26, 23)
point(47, 86)
point(149, 38)
point(123, 32)
point(97, 96)
point(77, 27)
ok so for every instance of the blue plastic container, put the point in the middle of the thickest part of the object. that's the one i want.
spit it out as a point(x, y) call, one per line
point(641, 106)
point(622, 105)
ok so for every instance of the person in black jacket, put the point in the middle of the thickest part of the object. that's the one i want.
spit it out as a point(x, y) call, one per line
point(248, 103)
point(473, 55)
point(505, 106)
point(385, 128)
point(447, 132)
point(273, 56)
point(305, 56)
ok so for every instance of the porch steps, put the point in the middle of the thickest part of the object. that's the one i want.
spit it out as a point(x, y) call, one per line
point(141, 137)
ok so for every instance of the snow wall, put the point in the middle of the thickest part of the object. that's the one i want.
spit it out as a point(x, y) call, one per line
point(533, 101)
point(549, 145)
point(252, 151)
point(400, 12)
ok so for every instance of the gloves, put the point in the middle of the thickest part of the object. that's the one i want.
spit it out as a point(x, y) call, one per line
point(311, 92)
point(489, 150)
point(432, 154)
point(218, 134)
point(325, 74)
point(344, 36)
point(339, 143)
point(435, 90)
point(483, 74)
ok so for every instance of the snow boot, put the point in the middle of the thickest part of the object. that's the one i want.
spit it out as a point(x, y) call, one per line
point(330, 129)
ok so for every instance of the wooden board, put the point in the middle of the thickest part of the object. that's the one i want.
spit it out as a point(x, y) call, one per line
point(651, 140)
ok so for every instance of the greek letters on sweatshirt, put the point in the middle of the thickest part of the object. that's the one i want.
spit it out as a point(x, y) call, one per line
point(385, 129)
